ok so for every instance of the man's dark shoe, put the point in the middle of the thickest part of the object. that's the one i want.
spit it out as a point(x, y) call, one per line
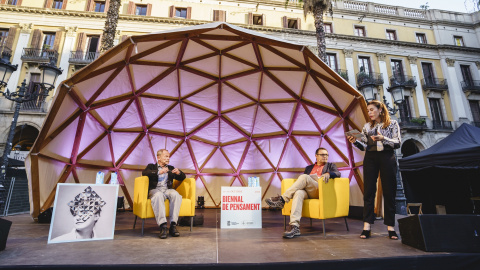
point(163, 231)
point(292, 232)
point(275, 202)
point(173, 230)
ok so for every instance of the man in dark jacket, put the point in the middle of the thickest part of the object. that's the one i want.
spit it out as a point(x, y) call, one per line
point(305, 187)
point(160, 178)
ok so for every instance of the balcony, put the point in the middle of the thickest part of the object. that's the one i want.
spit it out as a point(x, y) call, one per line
point(471, 86)
point(405, 81)
point(343, 73)
point(82, 58)
point(435, 84)
point(412, 123)
point(39, 55)
point(445, 125)
point(364, 78)
point(38, 104)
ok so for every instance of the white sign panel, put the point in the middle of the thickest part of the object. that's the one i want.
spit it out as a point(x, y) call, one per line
point(241, 207)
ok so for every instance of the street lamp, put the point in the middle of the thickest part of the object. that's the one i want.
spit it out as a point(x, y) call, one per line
point(368, 92)
point(49, 77)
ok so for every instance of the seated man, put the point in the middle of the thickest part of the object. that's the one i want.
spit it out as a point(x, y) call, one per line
point(160, 178)
point(305, 187)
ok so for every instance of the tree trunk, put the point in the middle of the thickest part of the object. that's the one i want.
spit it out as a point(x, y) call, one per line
point(110, 25)
point(320, 32)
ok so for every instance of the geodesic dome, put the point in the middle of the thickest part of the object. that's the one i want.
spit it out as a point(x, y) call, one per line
point(227, 103)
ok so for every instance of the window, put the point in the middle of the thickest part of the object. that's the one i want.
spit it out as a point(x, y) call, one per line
point(332, 61)
point(57, 4)
point(328, 28)
point(92, 47)
point(99, 6)
point(404, 107)
point(48, 41)
point(257, 19)
point(181, 13)
point(3, 37)
point(219, 15)
point(292, 23)
point(141, 10)
point(475, 107)
point(436, 110)
point(428, 73)
point(364, 64)
point(360, 31)
point(12, 2)
point(421, 38)
point(397, 69)
point(391, 34)
point(467, 75)
point(458, 41)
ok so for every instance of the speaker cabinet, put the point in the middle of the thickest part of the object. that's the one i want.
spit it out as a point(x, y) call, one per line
point(4, 229)
point(454, 233)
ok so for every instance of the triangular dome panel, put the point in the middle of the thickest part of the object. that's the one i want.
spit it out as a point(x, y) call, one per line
point(63, 149)
point(130, 118)
point(231, 98)
point(218, 162)
point(100, 154)
point(159, 105)
point(283, 112)
point(172, 121)
point(167, 55)
point(162, 142)
point(234, 152)
point(322, 118)
point(119, 57)
point(168, 86)
point(264, 124)
point(141, 154)
point(342, 98)
point(293, 79)
point(228, 133)
point(209, 65)
point(190, 82)
point(143, 74)
point(207, 98)
point(309, 144)
point(119, 86)
point(87, 88)
point(314, 93)
point(255, 160)
point(221, 44)
point(109, 113)
point(243, 118)
point(91, 131)
point(271, 59)
point(66, 110)
point(230, 67)
point(321, 70)
point(201, 151)
point(297, 55)
point(303, 122)
point(248, 84)
point(292, 158)
point(144, 46)
point(194, 117)
point(271, 91)
point(209, 132)
point(194, 50)
point(181, 158)
point(121, 142)
point(246, 53)
point(272, 148)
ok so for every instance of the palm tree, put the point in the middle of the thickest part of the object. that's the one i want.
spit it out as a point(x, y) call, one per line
point(317, 8)
point(110, 25)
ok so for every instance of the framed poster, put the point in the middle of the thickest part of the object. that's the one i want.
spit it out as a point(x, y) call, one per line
point(241, 208)
point(83, 212)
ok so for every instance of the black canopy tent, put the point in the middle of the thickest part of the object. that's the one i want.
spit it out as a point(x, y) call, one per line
point(448, 173)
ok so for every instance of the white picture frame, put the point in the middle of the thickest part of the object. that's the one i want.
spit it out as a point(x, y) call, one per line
point(84, 200)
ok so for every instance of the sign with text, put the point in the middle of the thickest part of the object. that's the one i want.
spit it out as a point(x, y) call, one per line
point(241, 207)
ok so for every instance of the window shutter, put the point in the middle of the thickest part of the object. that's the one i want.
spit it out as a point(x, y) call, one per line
point(284, 22)
point(58, 39)
point(299, 20)
point(223, 15)
point(64, 5)
point(19, 2)
point(263, 19)
point(89, 5)
point(149, 9)
point(250, 18)
point(107, 5)
point(172, 12)
point(36, 39)
point(82, 39)
point(131, 8)
point(216, 15)
point(3, 2)
point(11, 37)
point(48, 4)
point(100, 38)
point(189, 12)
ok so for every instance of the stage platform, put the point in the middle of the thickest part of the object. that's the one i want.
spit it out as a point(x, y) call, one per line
point(209, 247)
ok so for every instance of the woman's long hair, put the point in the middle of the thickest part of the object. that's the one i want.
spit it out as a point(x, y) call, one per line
point(384, 115)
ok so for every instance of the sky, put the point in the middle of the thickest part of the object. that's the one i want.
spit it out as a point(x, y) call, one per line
point(452, 5)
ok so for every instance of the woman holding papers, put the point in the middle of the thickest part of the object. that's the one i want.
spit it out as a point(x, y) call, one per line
point(379, 137)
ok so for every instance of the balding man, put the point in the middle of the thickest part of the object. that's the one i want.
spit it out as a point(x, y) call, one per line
point(161, 177)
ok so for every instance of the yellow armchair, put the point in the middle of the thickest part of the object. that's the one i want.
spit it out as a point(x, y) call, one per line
point(142, 206)
point(333, 201)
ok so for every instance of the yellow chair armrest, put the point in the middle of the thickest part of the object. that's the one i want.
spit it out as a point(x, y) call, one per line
point(334, 197)
point(140, 196)
point(286, 183)
point(187, 188)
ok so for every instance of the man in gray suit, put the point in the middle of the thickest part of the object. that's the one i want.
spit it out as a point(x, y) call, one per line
point(305, 187)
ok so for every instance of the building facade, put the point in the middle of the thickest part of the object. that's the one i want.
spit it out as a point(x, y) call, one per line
point(433, 54)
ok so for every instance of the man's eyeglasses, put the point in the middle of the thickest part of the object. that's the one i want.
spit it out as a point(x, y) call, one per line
point(323, 155)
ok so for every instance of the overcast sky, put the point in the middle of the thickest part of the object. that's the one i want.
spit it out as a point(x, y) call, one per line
point(453, 5)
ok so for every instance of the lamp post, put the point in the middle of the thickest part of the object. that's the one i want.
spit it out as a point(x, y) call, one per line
point(398, 97)
point(49, 76)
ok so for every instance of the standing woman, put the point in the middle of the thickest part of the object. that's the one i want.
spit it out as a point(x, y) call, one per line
point(380, 137)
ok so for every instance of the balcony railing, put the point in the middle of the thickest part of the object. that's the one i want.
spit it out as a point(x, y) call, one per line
point(82, 58)
point(364, 78)
point(471, 86)
point(39, 55)
point(343, 73)
point(435, 84)
point(38, 104)
point(437, 124)
point(476, 124)
point(412, 123)
point(406, 81)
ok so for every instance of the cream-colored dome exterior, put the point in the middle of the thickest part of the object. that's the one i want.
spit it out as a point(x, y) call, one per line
point(227, 103)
